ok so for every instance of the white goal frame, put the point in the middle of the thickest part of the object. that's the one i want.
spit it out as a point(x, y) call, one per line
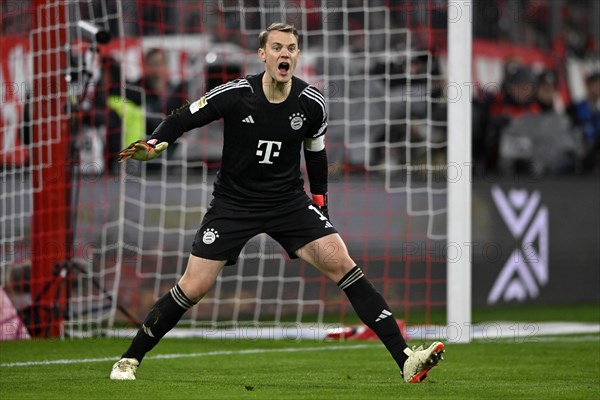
point(459, 172)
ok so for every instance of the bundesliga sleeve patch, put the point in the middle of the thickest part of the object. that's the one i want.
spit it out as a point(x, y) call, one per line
point(195, 106)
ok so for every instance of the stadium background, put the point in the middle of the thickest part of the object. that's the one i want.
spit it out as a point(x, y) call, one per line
point(382, 67)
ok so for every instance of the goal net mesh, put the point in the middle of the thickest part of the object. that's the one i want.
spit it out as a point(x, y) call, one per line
point(380, 65)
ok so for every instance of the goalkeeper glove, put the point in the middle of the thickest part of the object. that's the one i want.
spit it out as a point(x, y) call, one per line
point(321, 200)
point(142, 150)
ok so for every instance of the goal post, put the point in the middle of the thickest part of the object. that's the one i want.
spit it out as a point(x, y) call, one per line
point(459, 171)
point(50, 167)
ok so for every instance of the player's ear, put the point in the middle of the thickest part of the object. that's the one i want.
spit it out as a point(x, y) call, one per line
point(262, 55)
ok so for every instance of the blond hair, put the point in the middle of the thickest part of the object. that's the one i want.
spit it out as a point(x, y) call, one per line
point(276, 26)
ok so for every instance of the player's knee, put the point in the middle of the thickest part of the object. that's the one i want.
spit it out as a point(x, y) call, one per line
point(191, 289)
point(336, 267)
point(199, 277)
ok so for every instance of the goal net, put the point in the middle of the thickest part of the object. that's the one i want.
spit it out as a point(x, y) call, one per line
point(88, 245)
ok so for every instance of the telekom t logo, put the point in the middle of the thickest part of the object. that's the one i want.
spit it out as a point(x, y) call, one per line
point(269, 149)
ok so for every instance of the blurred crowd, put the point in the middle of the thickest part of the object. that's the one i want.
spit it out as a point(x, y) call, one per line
point(532, 122)
point(541, 120)
point(525, 127)
point(538, 119)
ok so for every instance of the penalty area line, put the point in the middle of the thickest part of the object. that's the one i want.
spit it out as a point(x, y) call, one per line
point(192, 355)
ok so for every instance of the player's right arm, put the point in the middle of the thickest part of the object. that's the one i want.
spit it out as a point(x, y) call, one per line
point(315, 155)
point(212, 106)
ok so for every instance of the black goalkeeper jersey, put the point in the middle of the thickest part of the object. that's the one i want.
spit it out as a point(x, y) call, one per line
point(260, 165)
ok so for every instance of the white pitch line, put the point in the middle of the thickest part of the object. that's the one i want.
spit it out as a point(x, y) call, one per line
point(262, 351)
point(551, 339)
point(190, 355)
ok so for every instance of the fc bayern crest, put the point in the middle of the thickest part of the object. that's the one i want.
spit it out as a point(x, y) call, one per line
point(297, 119)
point(210, 235)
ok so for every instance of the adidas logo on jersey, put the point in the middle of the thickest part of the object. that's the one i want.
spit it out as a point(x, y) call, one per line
point(328, 225)
point(248, 119)
point(384, 314)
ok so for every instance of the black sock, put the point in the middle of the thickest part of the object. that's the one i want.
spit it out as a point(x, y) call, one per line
point(374, 311)
point(163, 316)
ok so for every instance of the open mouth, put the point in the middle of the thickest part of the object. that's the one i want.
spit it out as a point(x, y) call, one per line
point(283, 67)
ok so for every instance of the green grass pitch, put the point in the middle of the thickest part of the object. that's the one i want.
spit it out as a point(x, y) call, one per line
point(557, 367)
point(560, 367)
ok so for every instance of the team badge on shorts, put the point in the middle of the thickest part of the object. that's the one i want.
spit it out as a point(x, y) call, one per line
point(210, 235)
point(297, 119)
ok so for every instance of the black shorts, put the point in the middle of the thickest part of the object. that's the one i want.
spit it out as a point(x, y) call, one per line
point(223, 233)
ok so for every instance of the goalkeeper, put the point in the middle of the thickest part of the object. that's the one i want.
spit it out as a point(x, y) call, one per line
point(269, 119)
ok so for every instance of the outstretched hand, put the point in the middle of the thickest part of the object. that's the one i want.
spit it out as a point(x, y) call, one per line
point(142, 150)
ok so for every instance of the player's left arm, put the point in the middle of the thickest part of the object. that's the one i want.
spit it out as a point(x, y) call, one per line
point(315, 156)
